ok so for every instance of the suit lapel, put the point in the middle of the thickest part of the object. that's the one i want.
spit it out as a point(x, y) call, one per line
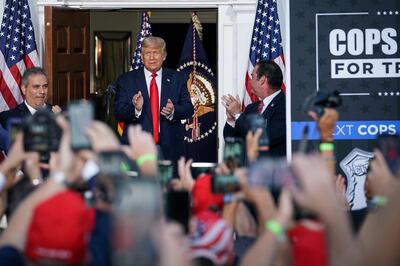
point(143, 85)
point(165, 87)
point(23, 109)
point(271, 107)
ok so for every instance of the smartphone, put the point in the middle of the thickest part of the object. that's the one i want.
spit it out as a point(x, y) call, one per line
point(234, 153)
point(178, 208)
point(223, 184)
point(199, 168)
point(14, 126)
point(165, 172)
point(115, 163)
point(80, 115)
point(41, 132)
point(274, 174)
point(255, 122)
point(389, 145)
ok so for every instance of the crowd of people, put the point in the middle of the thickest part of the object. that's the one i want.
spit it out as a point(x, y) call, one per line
point(111, 204)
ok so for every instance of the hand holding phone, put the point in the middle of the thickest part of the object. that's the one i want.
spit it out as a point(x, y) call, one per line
point(256, 121)
point(165, 172)
point(234, 153)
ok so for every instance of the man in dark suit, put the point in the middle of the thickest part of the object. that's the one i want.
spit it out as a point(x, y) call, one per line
point(266, 81)
point(156, 98)
point(34, 87)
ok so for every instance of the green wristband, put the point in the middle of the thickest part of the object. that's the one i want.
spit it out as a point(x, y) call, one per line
point(326, 146)
point(276, 229)
point(379, 201)
point(145, 158)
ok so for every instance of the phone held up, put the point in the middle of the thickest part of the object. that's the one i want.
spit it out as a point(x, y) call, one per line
point(81, 114)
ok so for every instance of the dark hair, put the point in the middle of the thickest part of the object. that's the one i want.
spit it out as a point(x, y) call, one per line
point(272, 71)
point(31, 72)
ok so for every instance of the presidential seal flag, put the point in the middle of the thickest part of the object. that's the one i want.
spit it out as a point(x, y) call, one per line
point(17, 51)
point(200, 137)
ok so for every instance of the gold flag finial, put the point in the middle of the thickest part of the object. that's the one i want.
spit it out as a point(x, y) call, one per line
point(197, 25)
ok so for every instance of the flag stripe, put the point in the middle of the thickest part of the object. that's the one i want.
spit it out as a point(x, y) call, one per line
point(17, 51)
point(32, 59)
point(6, 95)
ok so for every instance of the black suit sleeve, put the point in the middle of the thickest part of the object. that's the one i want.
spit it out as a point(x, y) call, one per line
point(123, 107)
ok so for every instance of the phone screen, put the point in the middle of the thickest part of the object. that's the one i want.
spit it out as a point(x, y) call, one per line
point(222, 184)
point(389, 145)
point(115, 163)
point(256, 121)
point(80, 116)
point(14, 127)
point(234, 152)
point(165, 171)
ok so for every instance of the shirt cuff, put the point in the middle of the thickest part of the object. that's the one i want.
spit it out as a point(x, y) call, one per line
point(171, 116)
point(231, 123)
point(138, 113)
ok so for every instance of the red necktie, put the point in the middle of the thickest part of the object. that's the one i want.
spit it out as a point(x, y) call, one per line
point(154, 106)
point(260, 107)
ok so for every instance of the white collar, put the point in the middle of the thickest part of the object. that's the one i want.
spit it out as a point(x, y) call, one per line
point(267, 100)
point(31, 109)
point(148, 73)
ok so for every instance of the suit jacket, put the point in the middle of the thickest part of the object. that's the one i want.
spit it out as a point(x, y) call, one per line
point(173, 86)
point(275, 115)
point(20, 111)
point(3, 139)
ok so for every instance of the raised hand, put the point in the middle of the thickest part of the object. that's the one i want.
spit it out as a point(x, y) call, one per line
point(137, 101)
point(168, 109)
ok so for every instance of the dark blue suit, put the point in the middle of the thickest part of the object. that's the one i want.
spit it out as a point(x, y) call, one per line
point(275, 115)
point(3, 139)
point(20, 111)
point(173, 87)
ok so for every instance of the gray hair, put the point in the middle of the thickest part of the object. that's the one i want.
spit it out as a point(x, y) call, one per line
point(31, 72)
point(154, 41)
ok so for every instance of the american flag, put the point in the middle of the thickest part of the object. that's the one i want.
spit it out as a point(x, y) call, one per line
point(212, 238)
point(145, 30)
point(266, 43)
point(17, 51)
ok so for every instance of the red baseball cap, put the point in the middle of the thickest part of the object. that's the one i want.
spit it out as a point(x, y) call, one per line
point(59, 229)
point(202, 196)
